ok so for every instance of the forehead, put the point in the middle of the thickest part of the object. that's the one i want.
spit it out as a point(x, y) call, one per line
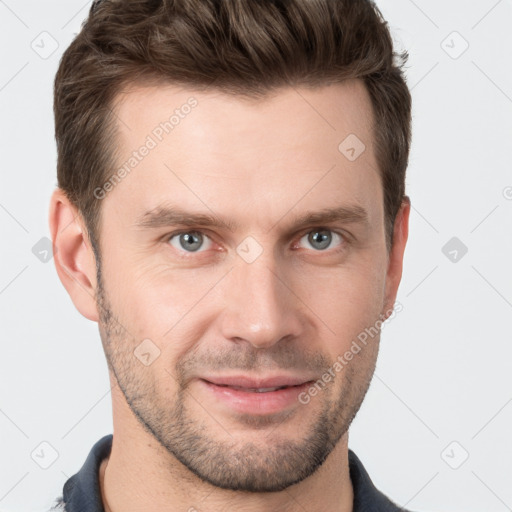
point(296, 145)
point(287, 111)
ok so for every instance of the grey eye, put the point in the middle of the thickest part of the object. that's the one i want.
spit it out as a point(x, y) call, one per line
point(190, 241)
point(321, 239)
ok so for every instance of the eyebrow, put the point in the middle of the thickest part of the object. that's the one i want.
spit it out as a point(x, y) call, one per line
point(165, 216)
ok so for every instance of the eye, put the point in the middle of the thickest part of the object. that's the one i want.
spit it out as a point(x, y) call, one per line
point(321, 239)
point(190, 241)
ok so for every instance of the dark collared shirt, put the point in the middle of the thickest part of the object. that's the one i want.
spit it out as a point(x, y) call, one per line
point(81, 492)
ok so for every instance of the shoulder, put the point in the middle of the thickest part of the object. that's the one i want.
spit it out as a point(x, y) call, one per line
point(367, 498)
point(58, 505)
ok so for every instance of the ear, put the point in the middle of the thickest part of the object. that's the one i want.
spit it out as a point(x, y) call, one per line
point(73, 255)
point(396, 256)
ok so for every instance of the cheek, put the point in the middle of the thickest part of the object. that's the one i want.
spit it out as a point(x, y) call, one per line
point(142, 291)
point(347, 300)
point(159, 303)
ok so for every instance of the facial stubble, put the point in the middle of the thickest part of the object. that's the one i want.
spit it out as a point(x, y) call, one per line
point(231, 462)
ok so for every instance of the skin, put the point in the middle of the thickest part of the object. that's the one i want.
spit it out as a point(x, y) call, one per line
point(294, 309)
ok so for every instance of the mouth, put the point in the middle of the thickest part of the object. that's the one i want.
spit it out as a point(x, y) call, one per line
point(257, 390)
point(270, 382)
point(255, 396)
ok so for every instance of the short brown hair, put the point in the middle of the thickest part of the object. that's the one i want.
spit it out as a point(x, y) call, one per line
point(242, 47)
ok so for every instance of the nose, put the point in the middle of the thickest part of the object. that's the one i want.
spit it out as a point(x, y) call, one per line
point(260, 306)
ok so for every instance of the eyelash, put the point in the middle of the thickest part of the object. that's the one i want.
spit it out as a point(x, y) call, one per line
point(342, 246)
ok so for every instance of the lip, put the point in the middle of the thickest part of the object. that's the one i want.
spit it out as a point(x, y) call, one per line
point(229, 392)
point(257, 382)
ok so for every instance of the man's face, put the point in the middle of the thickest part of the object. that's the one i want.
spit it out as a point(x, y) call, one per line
point(258, 294)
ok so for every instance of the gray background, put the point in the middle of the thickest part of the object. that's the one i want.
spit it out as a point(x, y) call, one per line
point(443, 385)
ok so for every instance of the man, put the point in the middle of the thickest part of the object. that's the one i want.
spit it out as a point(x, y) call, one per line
point(231, 211)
